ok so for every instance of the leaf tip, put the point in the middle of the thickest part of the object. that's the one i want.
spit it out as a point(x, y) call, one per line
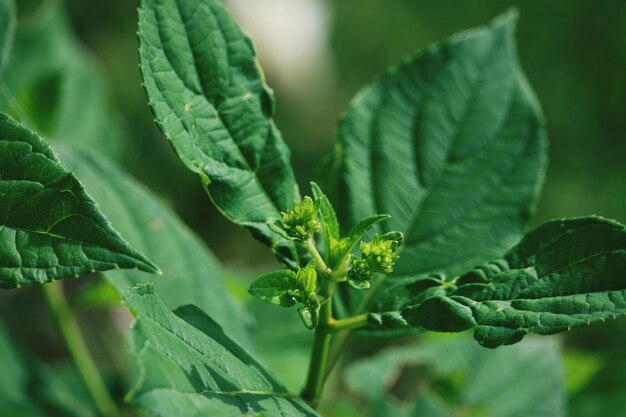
point(145, 265)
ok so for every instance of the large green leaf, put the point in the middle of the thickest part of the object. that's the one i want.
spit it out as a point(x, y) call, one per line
point(191, 368)
point(54, 85)
point(7, 29)
point(50, 228)
point(564, 274)
point(516, 381)
point(451, 144)
point(210, 100)
point(190, 272)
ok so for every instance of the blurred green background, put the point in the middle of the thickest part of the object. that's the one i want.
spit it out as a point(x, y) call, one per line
point(317, 54)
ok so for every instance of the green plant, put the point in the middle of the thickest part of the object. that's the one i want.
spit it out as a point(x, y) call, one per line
point(437, 169)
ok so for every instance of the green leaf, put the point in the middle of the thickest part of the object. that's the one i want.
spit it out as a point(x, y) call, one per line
point(516, 381)
point(191, 368)
point(451, 144)
point(564, 274)
point(358, 284)
point(210, 100)
point(330, 224)
point(51, 228)
point(7, 31)
point(310, 313)
point(276, 288)
point(190, 272)
point(55, 86)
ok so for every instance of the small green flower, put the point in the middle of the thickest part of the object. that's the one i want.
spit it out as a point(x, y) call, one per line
point(300, 223)
point(380, 254)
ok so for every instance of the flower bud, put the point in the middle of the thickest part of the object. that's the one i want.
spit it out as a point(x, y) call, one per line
point(359, 270)
point(306, 279)
point(300, 223)
point(380, 254)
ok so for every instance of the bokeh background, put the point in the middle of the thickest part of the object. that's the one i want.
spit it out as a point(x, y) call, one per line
point(317, 54)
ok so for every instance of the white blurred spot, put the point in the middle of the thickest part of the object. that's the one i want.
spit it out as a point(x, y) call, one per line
point(291, 37)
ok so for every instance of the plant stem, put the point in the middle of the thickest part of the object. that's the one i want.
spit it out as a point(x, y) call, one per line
point(338, 276)
point(342, 336)
point(70, 333)
point(339, 342)
point(321, 344)
point(323, 269)
point(349, 323)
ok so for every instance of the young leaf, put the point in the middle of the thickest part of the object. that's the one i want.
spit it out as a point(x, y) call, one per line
point(190, 272)
point(564, 274)
point(7, 31)
point(210, 100)
point(327, 212)
point(51, 228)
point(276, 288)
point(191, 368)
point(451, 144)
point(309, 314)
point(55, 86)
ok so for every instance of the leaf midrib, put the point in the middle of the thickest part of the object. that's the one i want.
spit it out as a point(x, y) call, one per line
point(247, 168)
point(444, 166)
point(230, 393)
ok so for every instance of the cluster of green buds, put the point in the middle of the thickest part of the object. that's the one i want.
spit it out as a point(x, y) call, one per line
point(378, 255)
point(306, 282)
point(299, 223)
point(331, 263)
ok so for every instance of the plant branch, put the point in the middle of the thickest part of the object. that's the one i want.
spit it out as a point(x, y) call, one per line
point(338, 276)
point(70, 333)
point(349, 323)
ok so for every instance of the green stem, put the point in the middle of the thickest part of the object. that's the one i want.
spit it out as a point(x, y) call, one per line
point(321, 344)
point(342, 336)
point(323, 269)
point(349, 323)
point(75, 344)
point(338, 276)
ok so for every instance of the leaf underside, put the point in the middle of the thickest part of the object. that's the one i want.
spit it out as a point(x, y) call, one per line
point(49, 227)
point(191, 368)
point(564, 274)
point(210, 100)
point(450, 143)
